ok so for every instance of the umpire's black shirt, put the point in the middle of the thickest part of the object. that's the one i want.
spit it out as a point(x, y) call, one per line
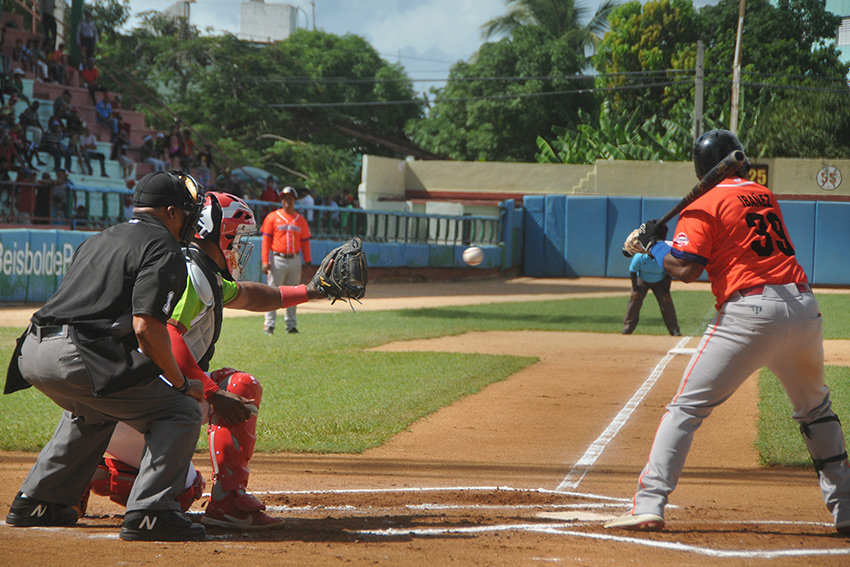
point(134, 268)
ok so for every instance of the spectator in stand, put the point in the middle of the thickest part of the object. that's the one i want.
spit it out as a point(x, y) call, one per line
point(61, 195)
point(307, 200)
point(25, 185)
point(90, 77)
point(40, 65)
point(88, 147)
point(53, 142)
point(175, 140)
point(17, 85)
point(81, 218)
point(147, 153)
point(187, 150)
point(128, 199)
point(231, 184)
point(87, 34)
point(48, 23)
point(19, 54)
point(161, 148)
point(270, 192)
point(41, 210)
point(9, 153)
point(62, 104)
point(119, 120)
point(74, 127)
point(60, 70)
point(104, 117)
point(118, 152)
point(26, 150)
point(204, 161)
point(31, 123)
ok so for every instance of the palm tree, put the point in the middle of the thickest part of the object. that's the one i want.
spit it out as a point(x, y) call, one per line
point(562, 19)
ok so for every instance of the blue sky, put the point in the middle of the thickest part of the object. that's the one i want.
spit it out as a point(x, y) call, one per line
point(426, 36)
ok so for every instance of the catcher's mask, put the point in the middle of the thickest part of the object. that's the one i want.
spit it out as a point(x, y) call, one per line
point(712, 147)
point(228, 221)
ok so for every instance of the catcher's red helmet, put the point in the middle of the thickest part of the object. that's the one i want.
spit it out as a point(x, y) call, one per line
point(228, 221)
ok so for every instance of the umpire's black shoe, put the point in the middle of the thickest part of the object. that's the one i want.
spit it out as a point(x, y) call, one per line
point(28, 512)
point(160, 525)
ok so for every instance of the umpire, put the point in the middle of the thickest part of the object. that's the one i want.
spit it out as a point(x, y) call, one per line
point(97, 349)
point(646, 275)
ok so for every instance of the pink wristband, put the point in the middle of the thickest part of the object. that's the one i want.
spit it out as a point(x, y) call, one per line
point(293, 295)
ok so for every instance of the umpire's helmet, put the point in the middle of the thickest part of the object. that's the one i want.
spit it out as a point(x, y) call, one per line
point(712, 147)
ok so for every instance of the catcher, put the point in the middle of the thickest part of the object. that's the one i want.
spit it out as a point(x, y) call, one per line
point(215, 261)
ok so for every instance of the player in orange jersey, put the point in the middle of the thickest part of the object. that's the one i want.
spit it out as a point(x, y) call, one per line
point(767, 316)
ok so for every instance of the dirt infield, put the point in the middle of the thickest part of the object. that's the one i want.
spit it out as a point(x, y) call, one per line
point(522, 473)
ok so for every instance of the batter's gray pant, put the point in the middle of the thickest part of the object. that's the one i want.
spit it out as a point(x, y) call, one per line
point(283, 271)
point(781, 329)
point(169, 421)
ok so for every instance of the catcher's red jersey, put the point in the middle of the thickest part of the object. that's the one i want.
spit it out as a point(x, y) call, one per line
point(736, 230)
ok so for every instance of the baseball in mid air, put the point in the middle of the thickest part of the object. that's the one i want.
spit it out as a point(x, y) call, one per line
point(473, 256)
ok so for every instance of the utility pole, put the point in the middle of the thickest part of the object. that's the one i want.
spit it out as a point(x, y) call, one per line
point(736, 71)
point(699, 89)
point(313, 3)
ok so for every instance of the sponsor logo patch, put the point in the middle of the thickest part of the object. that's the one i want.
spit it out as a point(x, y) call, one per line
point(682, 239)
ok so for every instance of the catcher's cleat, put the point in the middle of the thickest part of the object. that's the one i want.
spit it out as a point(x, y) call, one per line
point(638, 522)
point(28, 512)
point(239, 511)
point(292, 330)
point(160, 525)
point(269, 331)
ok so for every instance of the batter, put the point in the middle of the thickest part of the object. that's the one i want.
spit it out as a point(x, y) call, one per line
point(767, 316)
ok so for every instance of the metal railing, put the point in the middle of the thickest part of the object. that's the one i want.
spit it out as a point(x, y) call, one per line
point(88, 208)
point(337, 223)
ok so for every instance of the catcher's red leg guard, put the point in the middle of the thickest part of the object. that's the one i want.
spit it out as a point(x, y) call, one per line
point(114, 479)
point(231, 447)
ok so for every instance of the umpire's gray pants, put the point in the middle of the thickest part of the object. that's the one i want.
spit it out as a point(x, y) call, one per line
point(169, 421)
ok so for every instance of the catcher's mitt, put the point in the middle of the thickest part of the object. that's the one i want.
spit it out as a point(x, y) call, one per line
point(343, 273)
point(632, 245)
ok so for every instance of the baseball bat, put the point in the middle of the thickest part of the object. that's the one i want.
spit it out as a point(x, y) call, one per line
point(709, 181)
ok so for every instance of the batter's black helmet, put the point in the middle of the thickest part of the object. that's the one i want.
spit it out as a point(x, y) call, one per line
point(712, 147)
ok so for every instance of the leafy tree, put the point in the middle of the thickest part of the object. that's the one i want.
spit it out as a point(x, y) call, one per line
point(561, 19)
point(232, 92)
point(618, 136)
point(648, 45)
point(786, 45)
point(479, 117)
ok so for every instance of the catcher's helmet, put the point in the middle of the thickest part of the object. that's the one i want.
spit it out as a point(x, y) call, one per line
point(712, 147)
point(228, 221)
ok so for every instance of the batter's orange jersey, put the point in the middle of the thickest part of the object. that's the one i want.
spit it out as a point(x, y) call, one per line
point(737, 232)
point(285, 234)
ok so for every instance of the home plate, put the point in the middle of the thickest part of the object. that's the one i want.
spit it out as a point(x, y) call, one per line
point(575, 515)
point(688, 351)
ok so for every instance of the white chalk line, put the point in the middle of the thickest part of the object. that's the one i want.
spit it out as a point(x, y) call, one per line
point(559, 529)
point(444, 489)
point(586, 462)
point(439, 507)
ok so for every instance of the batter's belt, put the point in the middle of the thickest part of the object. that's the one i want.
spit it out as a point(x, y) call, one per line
point(759, 289)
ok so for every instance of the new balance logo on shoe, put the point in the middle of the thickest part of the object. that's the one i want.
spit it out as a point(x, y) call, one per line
point(147, 523)
point(39, 511)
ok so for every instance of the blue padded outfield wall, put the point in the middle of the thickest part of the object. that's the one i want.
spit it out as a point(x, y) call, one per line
point(590, 232)
point(32, 262)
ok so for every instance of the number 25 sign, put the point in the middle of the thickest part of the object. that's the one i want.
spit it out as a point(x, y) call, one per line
point(829, 178)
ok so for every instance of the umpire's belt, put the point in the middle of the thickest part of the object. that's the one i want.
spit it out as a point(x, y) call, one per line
point(279, 255)
point(45, 332)
point(759, 289)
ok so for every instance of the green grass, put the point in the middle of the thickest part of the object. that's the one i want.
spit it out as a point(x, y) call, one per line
point(324, 392)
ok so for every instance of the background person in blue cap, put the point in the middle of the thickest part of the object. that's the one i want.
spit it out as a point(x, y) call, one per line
point(646, 274)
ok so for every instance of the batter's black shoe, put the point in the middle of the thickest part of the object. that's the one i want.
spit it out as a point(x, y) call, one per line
point(29, 512)
point(160, 525)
